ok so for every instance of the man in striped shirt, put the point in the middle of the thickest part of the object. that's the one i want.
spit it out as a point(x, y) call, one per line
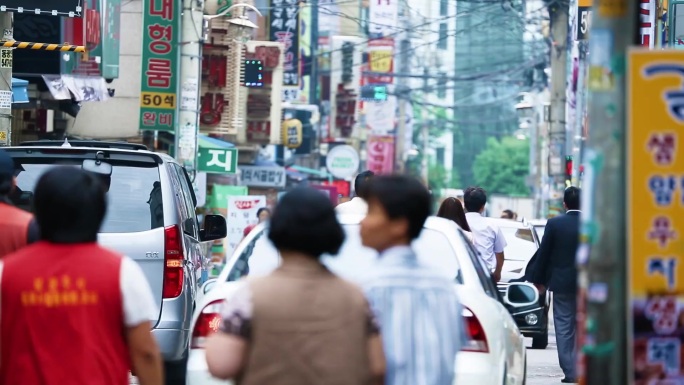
point(417, 308)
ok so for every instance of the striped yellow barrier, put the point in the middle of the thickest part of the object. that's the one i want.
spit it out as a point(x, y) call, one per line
point(43, 46)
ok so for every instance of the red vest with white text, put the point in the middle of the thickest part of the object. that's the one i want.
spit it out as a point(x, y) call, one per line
point(61, 317)
point(14, 224)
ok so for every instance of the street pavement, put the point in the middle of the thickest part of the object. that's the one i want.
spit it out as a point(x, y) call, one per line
point(542, 365)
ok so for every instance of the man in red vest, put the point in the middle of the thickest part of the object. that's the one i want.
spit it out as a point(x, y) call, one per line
point(72, 312)
point(17, 227)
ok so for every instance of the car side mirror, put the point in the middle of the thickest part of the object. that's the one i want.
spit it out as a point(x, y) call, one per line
point(520, 294)
point(215, 227)
point(208, 285)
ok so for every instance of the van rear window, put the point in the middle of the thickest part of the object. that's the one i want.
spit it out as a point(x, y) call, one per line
point(134, 200)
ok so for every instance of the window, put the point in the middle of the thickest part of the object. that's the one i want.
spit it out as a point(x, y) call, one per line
point(134, 200)
point(443, 38)
point(354, 262)
point(443, 5)
point(442, 86)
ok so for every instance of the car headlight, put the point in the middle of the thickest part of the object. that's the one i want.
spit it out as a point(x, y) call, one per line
point(531, 319)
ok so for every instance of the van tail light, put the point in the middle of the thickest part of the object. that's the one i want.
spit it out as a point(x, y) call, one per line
point(173, 262)
point(478, 338)
point(207, 323)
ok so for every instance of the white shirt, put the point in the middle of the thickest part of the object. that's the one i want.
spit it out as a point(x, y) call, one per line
point(138, 302)
point(487, 238)
point(354, 206)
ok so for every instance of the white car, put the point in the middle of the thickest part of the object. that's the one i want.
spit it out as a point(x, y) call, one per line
point(496, 353)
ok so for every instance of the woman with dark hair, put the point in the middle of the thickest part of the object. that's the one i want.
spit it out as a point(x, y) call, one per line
point(300, 325)
point(452, 209)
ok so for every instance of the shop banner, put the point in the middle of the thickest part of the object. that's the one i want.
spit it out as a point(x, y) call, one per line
point(655, 215)
point(284, 28)
point(383, 16)
point(647, 22)
point(380, 154)
point(242, 212)
point(583, 19)
point(160, 59)
point(380, 60)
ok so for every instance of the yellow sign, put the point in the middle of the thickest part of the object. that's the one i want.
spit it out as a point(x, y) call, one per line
point(612, 8)
point(292, 133)
point(161, 100)
point(59, 291)
point(585, 3)
point(380, 60)
point(655, 211)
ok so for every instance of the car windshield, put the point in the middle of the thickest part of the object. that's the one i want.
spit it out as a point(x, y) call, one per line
point(134, 200)
point(354, 262)
point(520, 243)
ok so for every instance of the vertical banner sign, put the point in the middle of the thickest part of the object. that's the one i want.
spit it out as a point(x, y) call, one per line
point(655, 214)
point(284, 25)
point(380, 154)
point(382, 17)
point(583, 19)
point(381, 60)
point(158, 93)
point(647, 22)
point(242, 212)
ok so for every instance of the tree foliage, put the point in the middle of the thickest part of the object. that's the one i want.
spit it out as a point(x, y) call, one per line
point(439, 177)
point(503, 166)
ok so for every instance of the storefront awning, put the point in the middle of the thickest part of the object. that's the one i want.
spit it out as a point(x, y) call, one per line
point(19, 91)
point(207, 142)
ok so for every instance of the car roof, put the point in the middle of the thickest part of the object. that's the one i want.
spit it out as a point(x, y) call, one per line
point(112, 147)
point(432, 222)
point(502, 222)
point(538, 222)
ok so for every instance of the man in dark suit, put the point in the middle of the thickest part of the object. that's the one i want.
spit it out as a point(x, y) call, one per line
point(556, 267)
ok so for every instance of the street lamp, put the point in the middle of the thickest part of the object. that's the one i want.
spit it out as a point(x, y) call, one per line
point(241, 27)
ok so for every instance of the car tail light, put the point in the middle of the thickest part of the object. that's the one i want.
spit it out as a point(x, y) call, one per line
point(478, 338)
point(173, 262)
point(207, 323)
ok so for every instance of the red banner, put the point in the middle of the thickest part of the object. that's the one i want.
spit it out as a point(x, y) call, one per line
point(380, 60)
point(380, 154)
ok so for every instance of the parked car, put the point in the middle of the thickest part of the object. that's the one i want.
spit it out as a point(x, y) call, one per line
point(495, 354)
point(150, 218)
point(522, 244)
point(539, 225)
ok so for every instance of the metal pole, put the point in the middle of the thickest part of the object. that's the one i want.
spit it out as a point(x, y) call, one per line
point(425, 161)
point(190, 74)
point(557, 135)
point(6, 25)
point(534, 153)
point(580, 111)
point(603, 276)
point(315, 81)
point(402, 93)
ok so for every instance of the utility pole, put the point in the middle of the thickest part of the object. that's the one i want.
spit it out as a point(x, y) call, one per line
point(7, 26)
point(558, 13)
point(190, 70)
point(314, 80)
point(402, 90)
point(603, 277)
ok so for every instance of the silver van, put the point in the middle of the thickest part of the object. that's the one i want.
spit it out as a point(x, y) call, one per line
point(150, 218)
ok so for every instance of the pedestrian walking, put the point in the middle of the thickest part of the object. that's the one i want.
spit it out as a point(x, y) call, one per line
point(452, 209)
point(419, 312)
point(555, 265)
point(488, 239)
point(17, 227)
point(74, 313)
point(300, 325)
point(357, 205)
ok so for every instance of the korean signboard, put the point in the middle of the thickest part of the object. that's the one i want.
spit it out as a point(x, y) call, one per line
point(647, 22)
point(263, 176)
point(284, 28)
point(655, 210)
point(583, 19)
point(380, 154)
point(242, 213)
point(99, 31)
point(158, 94)
point(217, 161)
point(70, 8)
point(380, 60)
point(383, 16)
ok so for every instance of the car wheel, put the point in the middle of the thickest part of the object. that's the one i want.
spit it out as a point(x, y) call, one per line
point(541, 342)
point(175, 372)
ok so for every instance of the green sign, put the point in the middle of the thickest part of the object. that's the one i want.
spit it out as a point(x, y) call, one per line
point(101, 37)
point(158, 93)
point(223, 5)
point(217, 161)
